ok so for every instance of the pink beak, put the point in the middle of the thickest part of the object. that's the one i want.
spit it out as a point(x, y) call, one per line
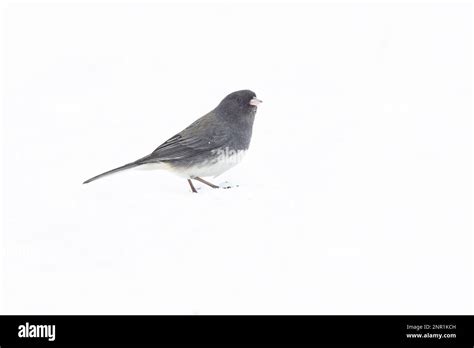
point(254, 101)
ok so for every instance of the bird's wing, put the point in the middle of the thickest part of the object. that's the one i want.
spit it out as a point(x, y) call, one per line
point(199, 137)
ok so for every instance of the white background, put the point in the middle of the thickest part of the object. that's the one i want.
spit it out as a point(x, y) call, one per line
point(354, 199)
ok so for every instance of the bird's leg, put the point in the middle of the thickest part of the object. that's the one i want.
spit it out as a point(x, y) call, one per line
point(206, 182)
point(192, 186)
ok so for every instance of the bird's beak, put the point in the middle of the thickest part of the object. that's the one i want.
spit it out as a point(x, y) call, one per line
point(254, 101)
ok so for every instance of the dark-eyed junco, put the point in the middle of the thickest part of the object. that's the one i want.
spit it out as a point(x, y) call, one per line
point(208, 147)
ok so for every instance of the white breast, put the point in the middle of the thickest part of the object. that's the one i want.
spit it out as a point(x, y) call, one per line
point(225, 160)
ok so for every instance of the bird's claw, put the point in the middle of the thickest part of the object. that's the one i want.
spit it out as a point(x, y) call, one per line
point(227, 185)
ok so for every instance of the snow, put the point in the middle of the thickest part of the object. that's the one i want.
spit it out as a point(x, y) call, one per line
point(354, 197)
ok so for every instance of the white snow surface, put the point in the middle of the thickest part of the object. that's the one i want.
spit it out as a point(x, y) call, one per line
point(354, 197)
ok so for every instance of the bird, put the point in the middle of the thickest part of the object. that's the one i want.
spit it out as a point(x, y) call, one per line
point(209, 146)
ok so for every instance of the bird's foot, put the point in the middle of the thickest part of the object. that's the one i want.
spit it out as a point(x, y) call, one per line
point(227, 185)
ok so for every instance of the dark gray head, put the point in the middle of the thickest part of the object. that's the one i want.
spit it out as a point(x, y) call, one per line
point(239, 104)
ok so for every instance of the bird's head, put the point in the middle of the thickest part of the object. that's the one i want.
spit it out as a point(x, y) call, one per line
point(242, 102)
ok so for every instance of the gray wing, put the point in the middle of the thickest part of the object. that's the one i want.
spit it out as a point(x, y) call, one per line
point(204, 135)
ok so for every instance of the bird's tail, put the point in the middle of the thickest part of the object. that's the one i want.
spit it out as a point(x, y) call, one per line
point(119, 169)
